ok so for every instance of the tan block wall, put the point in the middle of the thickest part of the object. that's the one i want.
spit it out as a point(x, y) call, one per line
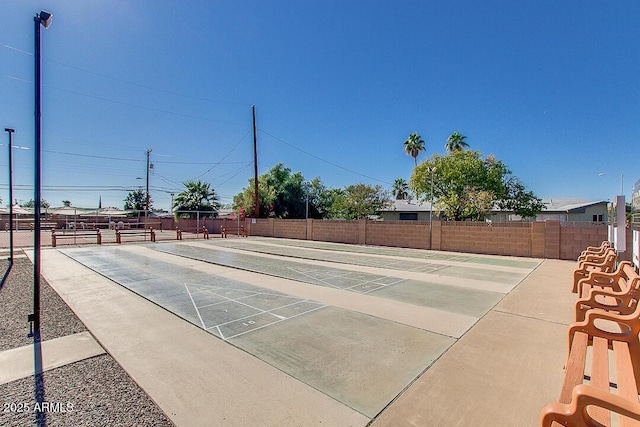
point(552, 239)
point(262, 227)
point(337, 231)
point(496, 239)
point(436, 241)
point(406, 234)
point(289, 228)
point(539, 239)
point(577, 237)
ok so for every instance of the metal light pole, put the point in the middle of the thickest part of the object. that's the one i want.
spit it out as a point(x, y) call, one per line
point(621, 181)
point(431, 212)
point(11, 132)
point(146, 208)
point(256, 197)
point(43, 18)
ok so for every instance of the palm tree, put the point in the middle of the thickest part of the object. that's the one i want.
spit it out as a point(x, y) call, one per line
point(413, 146)
point(400, 189)
point(197, 196)
point(456, 142)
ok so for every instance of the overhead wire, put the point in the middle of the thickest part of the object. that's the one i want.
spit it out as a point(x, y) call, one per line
point(233, 176)
point(224, 157)
point(142, 86)
point(178, 114)
point(128, 104)
point(321, 159)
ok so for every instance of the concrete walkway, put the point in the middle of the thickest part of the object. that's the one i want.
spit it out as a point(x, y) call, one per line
point(500, 372)
point(56, 352)
point(506, 368)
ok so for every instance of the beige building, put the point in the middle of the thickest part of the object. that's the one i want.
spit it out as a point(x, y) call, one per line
point(563, 210)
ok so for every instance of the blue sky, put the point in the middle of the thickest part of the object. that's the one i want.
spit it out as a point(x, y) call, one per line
point(551, 88)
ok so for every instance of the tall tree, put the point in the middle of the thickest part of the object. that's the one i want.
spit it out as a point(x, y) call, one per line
point(284, 194)
point(456, 142)
point(359, 201)
point(465, 186)
point(136, 200)
point(197, 196)
point(400, 189)
point(413, 145)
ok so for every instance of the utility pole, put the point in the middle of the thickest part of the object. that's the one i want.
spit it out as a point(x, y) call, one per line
point(256, 200)
point(6, 274)
point(11, 132)
point(146, 208)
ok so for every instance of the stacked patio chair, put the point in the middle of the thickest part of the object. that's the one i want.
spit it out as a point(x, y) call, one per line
point(602, 370)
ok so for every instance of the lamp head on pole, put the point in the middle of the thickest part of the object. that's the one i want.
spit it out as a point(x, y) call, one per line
point(45, 18)
point(9, 130)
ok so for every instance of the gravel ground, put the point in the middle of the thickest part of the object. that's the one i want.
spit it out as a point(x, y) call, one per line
point(16, 302)
point(92, 392)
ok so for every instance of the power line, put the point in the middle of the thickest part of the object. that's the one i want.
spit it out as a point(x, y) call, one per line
point(16, 49)
point(128, 104)
point(323, 160)
point(93, 156)
point(126, 81)
point(199, 163)
point(167, 180)
point(224, 157)
point(233, 176)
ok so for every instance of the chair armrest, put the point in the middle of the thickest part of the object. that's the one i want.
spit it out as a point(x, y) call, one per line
point(629, 323)
point(583, 265)
point(610, 282)
point(575, 413)
point(624, 295)
point(592, 256)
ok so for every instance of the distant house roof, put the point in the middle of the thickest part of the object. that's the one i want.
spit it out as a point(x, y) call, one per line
point(565, 205)
point(408, 206)
point(569, 205)
point(225, 213)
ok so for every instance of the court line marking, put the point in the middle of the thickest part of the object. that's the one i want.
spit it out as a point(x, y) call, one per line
point(310, 276)
point(257, 314)
point(195, 306)
point(215, 288)
point(259, 309)
point(220, 332)
point(346, 275)
point(273, 323)
point(225, 299)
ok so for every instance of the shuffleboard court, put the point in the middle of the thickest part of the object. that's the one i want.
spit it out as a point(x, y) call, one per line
point(360, 360)
point(341, 257)
point(502, 274)
point(405, 252)
point(456, 299)
point(353, 281)
point(224, 307)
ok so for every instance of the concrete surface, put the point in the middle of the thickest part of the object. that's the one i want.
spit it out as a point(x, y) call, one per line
point(196, 379)
point(499, 372)
point(360, 360)
point(505, 369)
point(56, 352)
